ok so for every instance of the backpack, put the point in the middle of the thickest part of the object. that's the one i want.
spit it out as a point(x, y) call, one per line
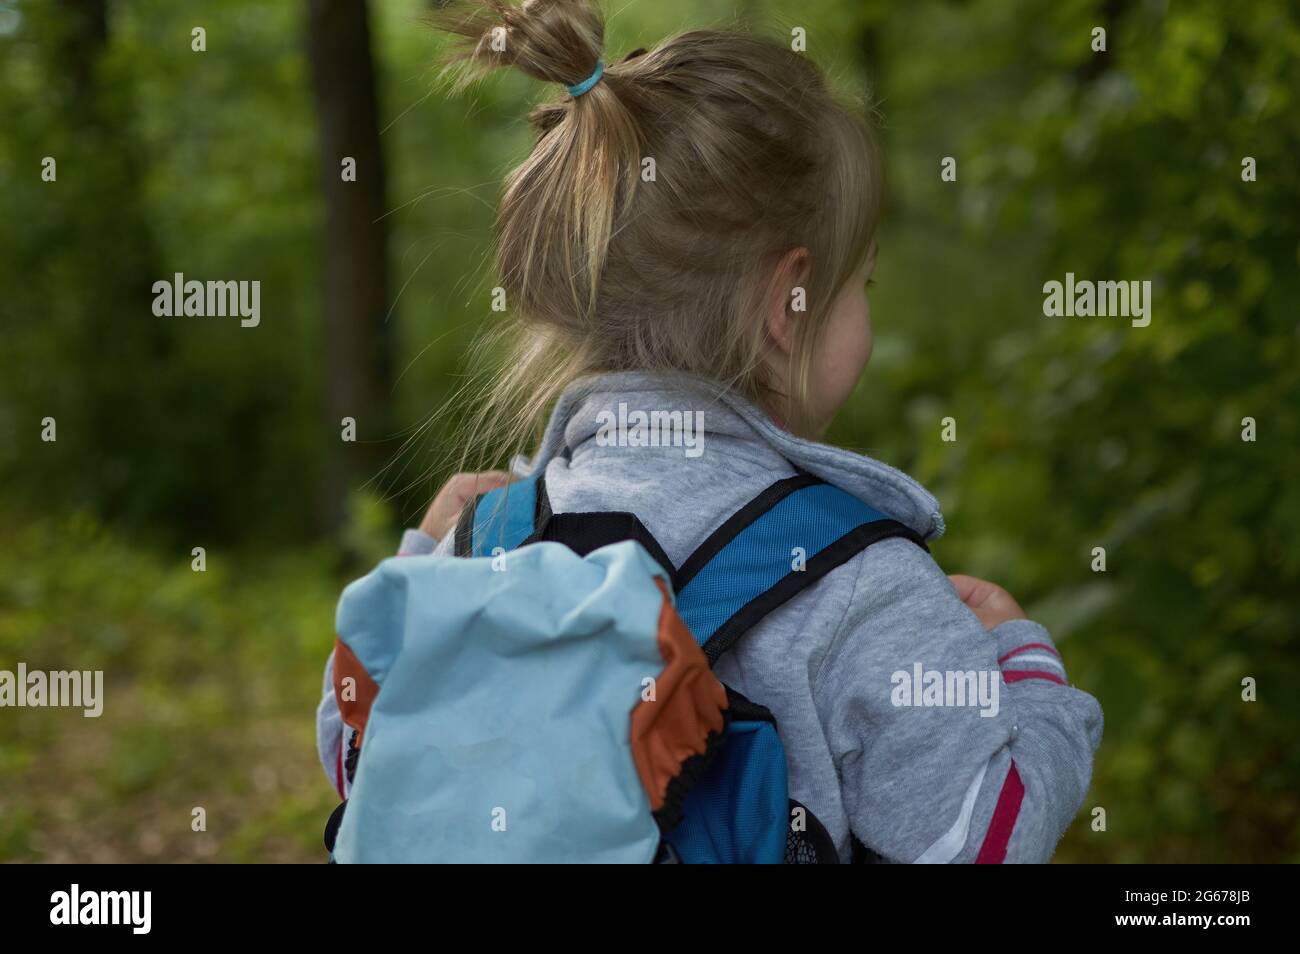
point(547, 693)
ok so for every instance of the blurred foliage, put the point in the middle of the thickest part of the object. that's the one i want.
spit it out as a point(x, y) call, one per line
point(207, 680)
point(1073, 433)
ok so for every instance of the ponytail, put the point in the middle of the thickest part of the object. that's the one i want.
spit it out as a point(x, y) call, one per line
point(559, 208)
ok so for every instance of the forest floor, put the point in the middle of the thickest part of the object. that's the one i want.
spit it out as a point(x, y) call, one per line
point(210, 685)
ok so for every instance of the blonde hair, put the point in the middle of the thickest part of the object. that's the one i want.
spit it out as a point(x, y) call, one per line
point(753, 155)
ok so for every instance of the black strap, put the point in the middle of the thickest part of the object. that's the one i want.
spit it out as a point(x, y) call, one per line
point(585, 533)
point(463, 541)
point(741, 709)
point(542, 504)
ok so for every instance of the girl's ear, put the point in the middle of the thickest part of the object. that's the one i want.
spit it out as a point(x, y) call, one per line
point(788, 302)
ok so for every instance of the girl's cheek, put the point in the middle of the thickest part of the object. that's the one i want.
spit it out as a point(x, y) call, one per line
point(871, 338)
point(860, 347)
point(851, 354)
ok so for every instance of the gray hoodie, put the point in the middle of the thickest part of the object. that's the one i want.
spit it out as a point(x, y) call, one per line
point(905, 722)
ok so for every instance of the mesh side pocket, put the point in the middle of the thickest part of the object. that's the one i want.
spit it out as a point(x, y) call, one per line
point(813, 844)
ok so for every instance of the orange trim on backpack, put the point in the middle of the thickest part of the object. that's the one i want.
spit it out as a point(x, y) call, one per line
point(355, 712)
point(688, 705)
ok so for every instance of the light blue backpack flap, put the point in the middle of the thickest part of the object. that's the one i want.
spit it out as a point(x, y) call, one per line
point(501, 728)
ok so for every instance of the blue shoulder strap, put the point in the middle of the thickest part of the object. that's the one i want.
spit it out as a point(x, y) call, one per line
point(504, 518)
point(787, 538)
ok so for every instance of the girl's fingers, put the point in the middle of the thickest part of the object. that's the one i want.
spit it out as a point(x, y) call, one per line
point(445, 509)
point(991, 603)
point(961, 584)
point(970, 589)
point(490, 480)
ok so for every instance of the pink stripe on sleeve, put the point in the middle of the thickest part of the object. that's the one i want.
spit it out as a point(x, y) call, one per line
point(996, 839)
point(1015, 675)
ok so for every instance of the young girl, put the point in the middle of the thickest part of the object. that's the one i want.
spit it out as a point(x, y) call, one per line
point(693, 233)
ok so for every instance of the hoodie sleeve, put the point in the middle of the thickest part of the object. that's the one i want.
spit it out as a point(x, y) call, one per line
point(953, 743)
point(329, 731)
point(329, 723)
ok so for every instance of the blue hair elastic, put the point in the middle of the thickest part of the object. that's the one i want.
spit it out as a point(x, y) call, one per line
point(578, 89)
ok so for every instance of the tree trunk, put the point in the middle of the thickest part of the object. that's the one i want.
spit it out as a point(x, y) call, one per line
point(358, 365)
point(82, 41)
point(108, 243)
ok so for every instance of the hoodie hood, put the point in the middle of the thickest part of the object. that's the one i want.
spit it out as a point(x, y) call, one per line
point(738, 427)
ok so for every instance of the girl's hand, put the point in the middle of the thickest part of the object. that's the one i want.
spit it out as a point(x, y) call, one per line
point(990, 602)
point(440, 519)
